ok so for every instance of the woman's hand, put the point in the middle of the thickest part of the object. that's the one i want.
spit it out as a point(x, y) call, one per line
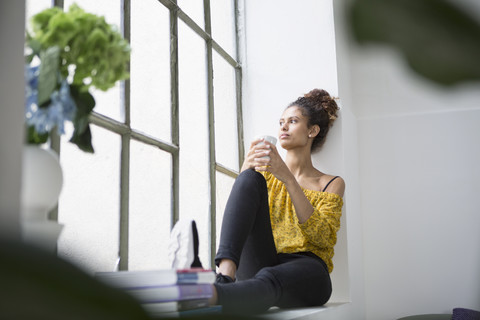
point(275, 164)
point(254, 152)
point(265, 157)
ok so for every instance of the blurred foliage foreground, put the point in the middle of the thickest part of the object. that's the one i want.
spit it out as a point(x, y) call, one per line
point(439, 40)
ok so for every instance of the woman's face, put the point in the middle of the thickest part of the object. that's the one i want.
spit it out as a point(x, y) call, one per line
point(293, 130)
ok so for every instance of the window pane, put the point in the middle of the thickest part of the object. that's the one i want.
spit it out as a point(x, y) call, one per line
point(110, 9)
point(89, 202)
point(89, 205)
point(194, 9)
point(33, 7)
point(223, 24)
point(226, 141)
point(150, 69)
point(194, 176)
point(150, 206)
point(106, 103)
point(224, 186)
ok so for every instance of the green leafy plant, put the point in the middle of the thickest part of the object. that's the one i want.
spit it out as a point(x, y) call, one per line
point(67, 54)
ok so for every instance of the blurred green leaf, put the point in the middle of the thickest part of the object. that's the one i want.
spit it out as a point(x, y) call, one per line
point(35, 47)
point(83, 140)
point(85, 103)
point(33, 137)
point(97, 49)
point(440, 41)
point(48, 75)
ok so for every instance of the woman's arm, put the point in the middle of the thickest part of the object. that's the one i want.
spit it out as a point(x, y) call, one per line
point(322, 227)
point(303, 207)
point(279, 169)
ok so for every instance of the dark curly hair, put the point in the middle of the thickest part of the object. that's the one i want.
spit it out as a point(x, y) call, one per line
point(321, 109)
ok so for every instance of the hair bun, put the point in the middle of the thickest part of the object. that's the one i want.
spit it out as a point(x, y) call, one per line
point(321, 99)
point(320, 109)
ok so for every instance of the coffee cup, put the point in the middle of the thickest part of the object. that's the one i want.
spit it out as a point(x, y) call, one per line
point(268, 138)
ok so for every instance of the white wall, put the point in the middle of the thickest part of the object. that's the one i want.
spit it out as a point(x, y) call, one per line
point(410, 156)
point(290, 52)
point(420, 184)
point(420, 180)
point(356, 309)
point(11, 113)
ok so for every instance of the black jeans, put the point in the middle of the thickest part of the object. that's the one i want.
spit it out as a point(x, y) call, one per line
point(264, 278)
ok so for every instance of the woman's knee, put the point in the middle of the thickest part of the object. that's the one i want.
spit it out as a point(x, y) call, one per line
point(296, 289)
point(268, 276)
point(251, 178)
point(250, 174)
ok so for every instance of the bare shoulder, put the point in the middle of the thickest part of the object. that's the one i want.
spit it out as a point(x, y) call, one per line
point(333, 184)
point(324, 182)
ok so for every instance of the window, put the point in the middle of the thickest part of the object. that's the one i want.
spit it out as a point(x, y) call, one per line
point(168, 142)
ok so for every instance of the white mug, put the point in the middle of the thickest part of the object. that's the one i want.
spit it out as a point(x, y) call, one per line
point(268, 138)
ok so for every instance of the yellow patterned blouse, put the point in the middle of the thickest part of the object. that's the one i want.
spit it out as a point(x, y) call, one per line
point(318, 234)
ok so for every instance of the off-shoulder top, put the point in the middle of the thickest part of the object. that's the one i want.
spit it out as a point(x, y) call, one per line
point(317, 235)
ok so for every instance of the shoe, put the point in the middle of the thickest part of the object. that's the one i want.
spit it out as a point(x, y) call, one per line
point(220, 278)
point(183, 246)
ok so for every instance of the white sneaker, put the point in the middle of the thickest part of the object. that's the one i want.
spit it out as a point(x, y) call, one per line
point(183, 246)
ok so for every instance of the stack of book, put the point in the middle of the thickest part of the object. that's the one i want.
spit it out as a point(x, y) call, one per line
point(167, 292)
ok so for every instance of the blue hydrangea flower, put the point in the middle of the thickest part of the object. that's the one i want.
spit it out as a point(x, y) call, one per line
point(61, 108)
point(31, 90)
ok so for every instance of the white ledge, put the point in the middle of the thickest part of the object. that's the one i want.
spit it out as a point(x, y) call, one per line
point(300, 313)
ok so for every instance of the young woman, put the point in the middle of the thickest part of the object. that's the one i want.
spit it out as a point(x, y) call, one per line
point(281, 219)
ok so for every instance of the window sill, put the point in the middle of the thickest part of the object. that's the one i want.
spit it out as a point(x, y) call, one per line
point(300, 313)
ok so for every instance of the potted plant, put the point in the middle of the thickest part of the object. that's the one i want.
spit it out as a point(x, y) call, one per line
point(67, 53)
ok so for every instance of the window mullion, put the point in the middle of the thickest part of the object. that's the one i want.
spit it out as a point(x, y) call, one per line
point(124, 202)
point(240, 138)
point(211, 133)
point(126, 6)
point(239, 83)
point(174, 96)
point(55, 139)
point(224, 54)
point(206, 35)
point(125, 154)
point(227, 171)
point(58, 3)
